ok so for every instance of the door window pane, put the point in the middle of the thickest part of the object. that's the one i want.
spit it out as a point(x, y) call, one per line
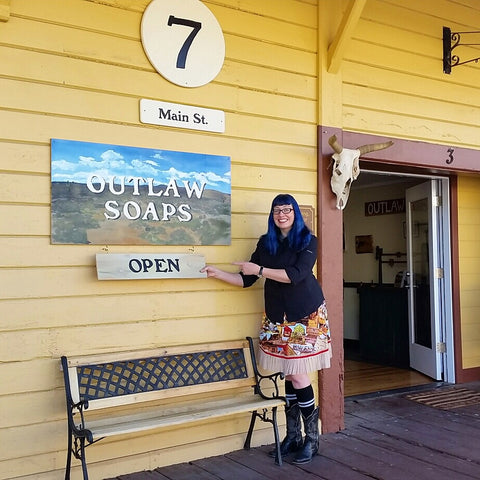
point(420, 277)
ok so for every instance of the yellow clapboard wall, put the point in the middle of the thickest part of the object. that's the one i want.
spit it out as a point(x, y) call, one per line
point(76, 69)
point(393, 80)
point(468, 228)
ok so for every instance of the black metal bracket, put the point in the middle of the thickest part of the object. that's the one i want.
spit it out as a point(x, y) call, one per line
point(452, 40)
point(270, 380)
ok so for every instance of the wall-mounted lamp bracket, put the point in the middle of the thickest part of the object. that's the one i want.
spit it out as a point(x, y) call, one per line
point(452, 40)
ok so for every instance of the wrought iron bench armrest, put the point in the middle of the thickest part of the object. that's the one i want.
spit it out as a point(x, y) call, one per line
point(265, 380)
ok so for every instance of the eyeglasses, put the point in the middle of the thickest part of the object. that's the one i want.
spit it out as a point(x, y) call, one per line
point(285, 211)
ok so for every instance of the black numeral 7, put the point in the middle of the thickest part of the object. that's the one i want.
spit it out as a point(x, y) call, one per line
point(182, 54)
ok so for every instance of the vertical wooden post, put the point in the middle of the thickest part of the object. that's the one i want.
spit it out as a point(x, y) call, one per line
point(330, 220)
point(330, 274)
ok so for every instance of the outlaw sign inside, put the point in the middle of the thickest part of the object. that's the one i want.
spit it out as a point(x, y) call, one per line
point(134, 266)
point(384, 207)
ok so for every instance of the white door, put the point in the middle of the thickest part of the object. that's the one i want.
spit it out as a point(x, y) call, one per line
point(429, 299)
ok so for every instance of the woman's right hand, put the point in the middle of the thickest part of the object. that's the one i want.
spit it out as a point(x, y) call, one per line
point(214, 272)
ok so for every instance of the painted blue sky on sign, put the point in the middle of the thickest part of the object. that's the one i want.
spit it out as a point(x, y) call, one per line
point(74, 161)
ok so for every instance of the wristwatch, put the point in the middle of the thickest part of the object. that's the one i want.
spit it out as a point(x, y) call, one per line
point(260, 272)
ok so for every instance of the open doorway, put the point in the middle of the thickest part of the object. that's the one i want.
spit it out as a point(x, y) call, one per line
point(388, 292)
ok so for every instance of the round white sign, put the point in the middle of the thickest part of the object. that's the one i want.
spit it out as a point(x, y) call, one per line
point(183, 41)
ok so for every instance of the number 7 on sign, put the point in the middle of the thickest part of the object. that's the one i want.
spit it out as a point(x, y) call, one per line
point(196, 26)
point(183, 41)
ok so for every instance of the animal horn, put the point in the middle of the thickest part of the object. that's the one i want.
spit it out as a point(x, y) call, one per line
point(372, 147)
point(332, 141)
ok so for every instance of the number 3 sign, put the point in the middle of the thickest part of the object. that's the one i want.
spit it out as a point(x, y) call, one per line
point(183, 41)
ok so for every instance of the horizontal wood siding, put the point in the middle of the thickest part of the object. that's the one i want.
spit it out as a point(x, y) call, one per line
point(468, 229)
point(393, 80)
point(76, 69)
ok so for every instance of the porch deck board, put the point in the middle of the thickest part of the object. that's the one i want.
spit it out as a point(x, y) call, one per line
point(150, 475)
point(442, 459)
point(387, 437)
point(185, 471)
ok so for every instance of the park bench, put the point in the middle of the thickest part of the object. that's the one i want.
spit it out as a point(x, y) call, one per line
point(174, 386)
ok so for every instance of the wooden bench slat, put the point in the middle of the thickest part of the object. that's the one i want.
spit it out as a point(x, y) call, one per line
point(124, 424)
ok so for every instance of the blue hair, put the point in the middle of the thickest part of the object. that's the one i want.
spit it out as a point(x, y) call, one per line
point(299, 235)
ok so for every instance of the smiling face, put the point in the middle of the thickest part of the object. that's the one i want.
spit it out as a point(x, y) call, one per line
point(283, 216)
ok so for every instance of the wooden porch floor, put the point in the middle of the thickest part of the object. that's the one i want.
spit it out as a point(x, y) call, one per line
point(387, 437)
point(363, 377)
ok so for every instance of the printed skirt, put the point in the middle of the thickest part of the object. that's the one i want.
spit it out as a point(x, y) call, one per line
point(296, 347)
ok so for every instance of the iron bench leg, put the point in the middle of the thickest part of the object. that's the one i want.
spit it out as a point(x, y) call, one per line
point(273, 421)
point(69, 453)
point(248, 440)
point(84, 460)
point(79, 454)
point(278, 456)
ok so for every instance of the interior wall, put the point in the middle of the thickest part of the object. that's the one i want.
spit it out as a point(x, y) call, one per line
point(387, 232)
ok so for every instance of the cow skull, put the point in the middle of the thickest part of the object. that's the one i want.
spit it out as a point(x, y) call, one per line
point(346, 167)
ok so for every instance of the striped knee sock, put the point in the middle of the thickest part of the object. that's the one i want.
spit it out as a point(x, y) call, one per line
point(290, 394)
point(306, 400)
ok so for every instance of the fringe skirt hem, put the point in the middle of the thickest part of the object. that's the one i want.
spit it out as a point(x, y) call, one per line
point(293, 366)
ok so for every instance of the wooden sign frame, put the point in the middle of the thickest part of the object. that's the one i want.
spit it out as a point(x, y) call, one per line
point(148, 266)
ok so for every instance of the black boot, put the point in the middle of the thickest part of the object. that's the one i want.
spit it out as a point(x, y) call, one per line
point(293, 441)
point(310, 445)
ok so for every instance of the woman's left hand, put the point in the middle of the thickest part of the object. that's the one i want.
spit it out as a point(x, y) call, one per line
point(248, 268)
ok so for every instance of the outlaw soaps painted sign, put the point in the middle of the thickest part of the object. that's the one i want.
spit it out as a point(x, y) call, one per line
point(106, 194)
point(384, 207)
point(141, 266)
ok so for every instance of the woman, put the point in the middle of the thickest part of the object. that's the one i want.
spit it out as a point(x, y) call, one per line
point(295, 336)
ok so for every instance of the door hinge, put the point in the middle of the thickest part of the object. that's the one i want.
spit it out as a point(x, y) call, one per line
point(439, 273)
point(441, 347)
point(437, 201)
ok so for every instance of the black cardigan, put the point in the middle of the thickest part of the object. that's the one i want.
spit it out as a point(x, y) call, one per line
point(297, 299)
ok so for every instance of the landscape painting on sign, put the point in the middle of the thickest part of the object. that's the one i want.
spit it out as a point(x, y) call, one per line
point(117, 195)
